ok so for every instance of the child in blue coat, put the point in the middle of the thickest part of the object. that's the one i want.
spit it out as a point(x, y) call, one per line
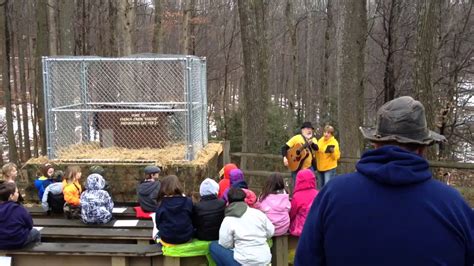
point(173, 216)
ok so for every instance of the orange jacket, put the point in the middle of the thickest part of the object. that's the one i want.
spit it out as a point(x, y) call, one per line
point(72, 192)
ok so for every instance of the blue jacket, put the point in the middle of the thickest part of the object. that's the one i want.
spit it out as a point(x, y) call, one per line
point(390, 212)
point(173, 219)
point(15, 225)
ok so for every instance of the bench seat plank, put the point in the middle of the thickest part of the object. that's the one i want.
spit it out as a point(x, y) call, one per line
point(37, 211)
point(81, 249)
point(61, 222)
point(96, 233)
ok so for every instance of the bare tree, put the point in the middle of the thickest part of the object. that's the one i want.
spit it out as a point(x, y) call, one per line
point(351, 38)
point(125, 18)
point(41, 50)
point(52, 30)
point(66, 26)
point(5, 49)
point(157, 42)
point(255, 90)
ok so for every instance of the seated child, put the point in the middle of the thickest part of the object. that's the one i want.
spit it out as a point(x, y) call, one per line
point(173, 215)
point(53, 197)
point(97, 169)
point(208, 213)
point(275, 203)
point(303, 196)
point(148, 189)
point(96, 203)
point(45, 179)
point(16, 224)
point(72, 190)
point(10, 172)
point(237, 181)
point(243, 234)
point(224, 184)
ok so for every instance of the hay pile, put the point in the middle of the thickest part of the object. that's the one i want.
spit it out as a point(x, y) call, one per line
point(165, 156)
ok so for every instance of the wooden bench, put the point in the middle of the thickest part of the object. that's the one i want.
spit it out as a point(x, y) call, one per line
point(38, 212)
point(103, 235)
point(53, 254)
point(62, 222)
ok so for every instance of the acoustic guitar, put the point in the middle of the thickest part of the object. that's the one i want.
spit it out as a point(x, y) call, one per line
point(296, 156)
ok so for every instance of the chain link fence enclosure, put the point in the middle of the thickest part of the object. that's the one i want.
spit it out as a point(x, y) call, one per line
point(145, 101)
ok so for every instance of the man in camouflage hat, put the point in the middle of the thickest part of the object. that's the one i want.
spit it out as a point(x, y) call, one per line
point(391, 211)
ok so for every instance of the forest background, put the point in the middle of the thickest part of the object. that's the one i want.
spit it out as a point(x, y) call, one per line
point(272, 64)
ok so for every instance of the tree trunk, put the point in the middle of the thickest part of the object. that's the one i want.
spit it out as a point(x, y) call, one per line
point(53, 30)
point(66, 26)
point(23, 98)
point(21, 40)
point(425, 59)
point(389, 74)
point(157, 43)
point(41, 50)
point(185, 34)
point(113, 29)
point(254, 96)
point(328, 108)
point(5, 49)
point(351, 38)
point(293, 80)
point(125, 17)
point(16, 91)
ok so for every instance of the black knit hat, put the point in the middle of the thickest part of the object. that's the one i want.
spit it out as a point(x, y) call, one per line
point(307, 125)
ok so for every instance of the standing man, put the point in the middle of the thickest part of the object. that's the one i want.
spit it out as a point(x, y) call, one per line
point(391, 211)
point(327, 156)
point(308, 142)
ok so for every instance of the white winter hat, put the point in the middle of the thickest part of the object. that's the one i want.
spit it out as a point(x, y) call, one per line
point(208, 187)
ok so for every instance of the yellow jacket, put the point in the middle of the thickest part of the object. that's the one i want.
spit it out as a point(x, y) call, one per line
point(327, 161)
point(299, 139)
point(72, 193)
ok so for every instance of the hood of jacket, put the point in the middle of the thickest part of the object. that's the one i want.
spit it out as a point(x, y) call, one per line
point(236, 175)
point(6, 209)
point(227, 168)
point(305, 180)
point(146, 188)
point(174, 204)
point(95, 182)
point(394, 166)
point(236, 209)
point(208, 187)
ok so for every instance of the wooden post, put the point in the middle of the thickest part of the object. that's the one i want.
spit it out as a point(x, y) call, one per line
point(119, 261)
point(226, 153)
point(280, 251)
point(171, 261)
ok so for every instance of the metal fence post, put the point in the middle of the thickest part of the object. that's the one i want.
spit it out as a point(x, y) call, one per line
point(85, 123)
point(189, 113)
point(47, 109)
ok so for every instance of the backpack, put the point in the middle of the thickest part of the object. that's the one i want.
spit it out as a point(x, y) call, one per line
point(56, 202)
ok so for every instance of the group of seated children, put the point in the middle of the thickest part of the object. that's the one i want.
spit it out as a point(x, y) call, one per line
point(93, 206)
point(16, 228)
point(237, 222)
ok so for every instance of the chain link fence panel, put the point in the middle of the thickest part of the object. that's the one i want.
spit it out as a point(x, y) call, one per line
point(133, 102)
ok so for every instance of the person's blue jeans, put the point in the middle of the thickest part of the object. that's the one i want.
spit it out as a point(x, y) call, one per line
point(325, 176)
point(221, 255)
point(33, 237)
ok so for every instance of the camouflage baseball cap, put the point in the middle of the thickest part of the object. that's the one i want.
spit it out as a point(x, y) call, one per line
point(402, 120)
